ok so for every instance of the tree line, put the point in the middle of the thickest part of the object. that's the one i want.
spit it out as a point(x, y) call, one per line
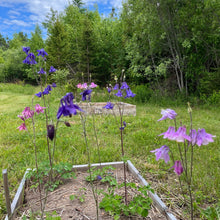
point(171, 46)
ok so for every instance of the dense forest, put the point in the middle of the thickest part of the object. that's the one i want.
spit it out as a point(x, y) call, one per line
point(170, 46)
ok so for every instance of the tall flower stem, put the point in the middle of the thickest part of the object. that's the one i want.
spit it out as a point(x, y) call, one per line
point(191, 167)
point(122, 152)
point(48, 143)
point(36, 163)
point(54, 141)
point(96, 138)
point(83, 120)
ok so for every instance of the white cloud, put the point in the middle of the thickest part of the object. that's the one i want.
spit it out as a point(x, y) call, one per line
point(27, 13)
point(16, 22)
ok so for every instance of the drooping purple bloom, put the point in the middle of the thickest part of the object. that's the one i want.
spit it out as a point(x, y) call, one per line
point(27, 113)
point(30, 59)
point(123, 127)
point(21, 117)
point(124, 86)
point(169, 134)
point(109, 89)
point(86, 94)
point(119, 93)
point(52, 69)
point(130, 94)
point(178, 169)
point(203, 138)
point(67, 107)
point(93, 85)
point(42, 53)
point(168, 113)
point(26, 50)
point(27, 61)
point(193, 135)
point(99, 177)
point(39, 94)
point(54, 85)
point(84, 86)
point(22, 127)
point(41, 71)
point(162, 153)
point(39, 109)
point(50, 132)
point(181, 136)
point(109, 105)
point(116, 87)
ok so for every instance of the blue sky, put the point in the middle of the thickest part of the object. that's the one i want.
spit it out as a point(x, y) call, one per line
point(23, 15)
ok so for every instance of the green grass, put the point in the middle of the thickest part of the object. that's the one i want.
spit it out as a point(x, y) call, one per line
point(140, 137)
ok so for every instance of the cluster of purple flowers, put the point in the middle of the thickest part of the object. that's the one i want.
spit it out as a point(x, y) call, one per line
point(87, 90)
point(46, 90)
point(30, 59)
point(124, 86)
point(67, 107)
point(195, 138)
point(120, 93)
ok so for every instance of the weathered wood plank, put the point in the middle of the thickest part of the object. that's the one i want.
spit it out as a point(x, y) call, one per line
point(7, 194)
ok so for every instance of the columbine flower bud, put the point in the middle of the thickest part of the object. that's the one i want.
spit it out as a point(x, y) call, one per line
point(50, 132)
point(67, 124)
point(189, 107)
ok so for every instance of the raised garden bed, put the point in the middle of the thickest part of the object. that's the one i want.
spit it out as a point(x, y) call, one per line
point(59, 201)
point(97, 108)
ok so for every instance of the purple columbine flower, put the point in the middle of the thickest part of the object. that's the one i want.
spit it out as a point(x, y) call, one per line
point(162, 153)
point(52, 69)
point(168, 113)
point(39, 94)
point(22, 127)
point(119, 93)
point(109, 105)
point(54, 85)
point(193, 135)
point(67, 107)
point(50, 131)
point(181, 136)
point(116, 87)
point(41, 71)
point(123, 127)
point(178, 169)
point(27, 113)
point(169, 134)
point(99, 177)
point(27, 61)
point(109, 89)
point(42, 53)
point(93, 85)
point(30, 59)
point(86, 94)
point(124, 86)
point(39, 109)
point(26, 50)
point(21, 117)
point(130, 94)
point(203, 138)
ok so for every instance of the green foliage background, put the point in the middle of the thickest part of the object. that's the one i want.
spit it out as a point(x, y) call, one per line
point(168, 46)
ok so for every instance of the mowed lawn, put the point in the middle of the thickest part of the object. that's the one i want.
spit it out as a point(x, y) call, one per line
point(140, 137)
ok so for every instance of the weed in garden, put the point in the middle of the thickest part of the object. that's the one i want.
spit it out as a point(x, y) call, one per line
point(140, 204)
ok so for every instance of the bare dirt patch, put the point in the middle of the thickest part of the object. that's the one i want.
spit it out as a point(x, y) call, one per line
point(60, 202)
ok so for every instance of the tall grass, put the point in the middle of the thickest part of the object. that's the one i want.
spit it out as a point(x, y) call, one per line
point(141, 136)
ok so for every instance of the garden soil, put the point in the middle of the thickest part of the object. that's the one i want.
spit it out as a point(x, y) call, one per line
point(59, 203)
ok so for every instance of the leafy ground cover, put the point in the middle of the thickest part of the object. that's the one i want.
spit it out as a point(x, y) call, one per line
point(140, 137)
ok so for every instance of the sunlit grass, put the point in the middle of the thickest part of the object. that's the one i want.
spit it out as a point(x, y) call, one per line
point(140, 137)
